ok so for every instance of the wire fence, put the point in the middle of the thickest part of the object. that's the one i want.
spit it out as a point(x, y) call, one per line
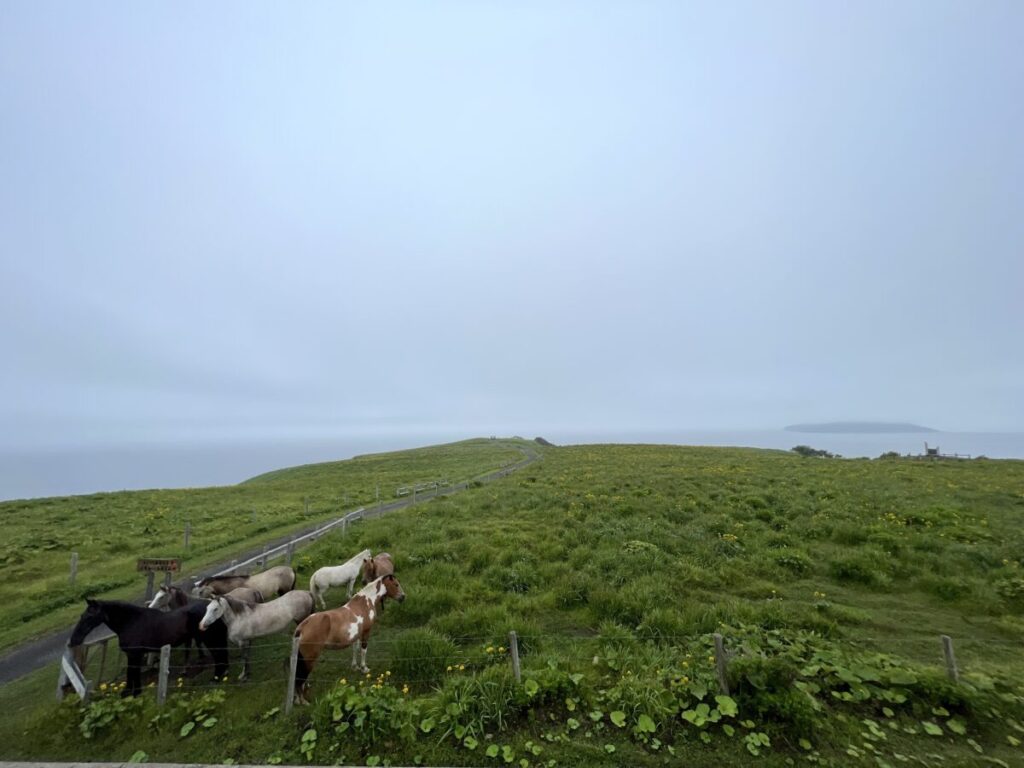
point(272, 661)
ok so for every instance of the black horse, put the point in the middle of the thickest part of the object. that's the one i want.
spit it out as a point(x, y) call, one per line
point(144, 630)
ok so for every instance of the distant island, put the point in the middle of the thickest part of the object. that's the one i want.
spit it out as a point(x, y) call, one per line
point(862, 427)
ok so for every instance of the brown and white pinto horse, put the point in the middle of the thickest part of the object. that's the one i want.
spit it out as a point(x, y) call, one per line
point(341, 627)
point(376, 567)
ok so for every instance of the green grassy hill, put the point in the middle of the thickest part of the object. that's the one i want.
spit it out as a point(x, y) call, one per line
point(830, 581)
point(110, 530)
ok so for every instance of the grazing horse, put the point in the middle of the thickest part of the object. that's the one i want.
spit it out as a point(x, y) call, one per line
point(247, 621)
point(339, 628)
point(271, 583)
point(336, 575)
point(140, 630)
point(375, 567)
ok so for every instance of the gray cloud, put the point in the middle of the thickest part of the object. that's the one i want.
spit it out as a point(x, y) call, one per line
point(258, 220)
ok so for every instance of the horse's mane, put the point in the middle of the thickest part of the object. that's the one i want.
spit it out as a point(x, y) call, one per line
point(361, 556)
point(207, 579)
point(237, 605)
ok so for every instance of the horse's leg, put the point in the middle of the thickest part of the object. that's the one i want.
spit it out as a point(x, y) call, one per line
point(355, 655)
point(245, 660)
point(363, 643)
point(133, 674)
point(351, 583)
point(319, 594)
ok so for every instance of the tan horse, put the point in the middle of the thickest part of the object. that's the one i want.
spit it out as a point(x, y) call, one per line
point(376, 567)
point(341, 627)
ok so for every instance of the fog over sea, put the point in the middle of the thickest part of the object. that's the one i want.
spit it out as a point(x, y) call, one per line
point(58, 472)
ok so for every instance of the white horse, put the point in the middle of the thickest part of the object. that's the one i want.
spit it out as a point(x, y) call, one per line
point(247, 621)
point(336, 575)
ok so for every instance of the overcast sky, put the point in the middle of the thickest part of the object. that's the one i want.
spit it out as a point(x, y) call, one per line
point(223, 220)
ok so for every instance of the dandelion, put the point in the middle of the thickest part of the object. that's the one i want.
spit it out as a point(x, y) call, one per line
point(490, 648)
point(462, 667)
point(501, 649)
point(405, 690)
point(449, 668)
point(388, 673)
point(343, 681)
point(103, 686)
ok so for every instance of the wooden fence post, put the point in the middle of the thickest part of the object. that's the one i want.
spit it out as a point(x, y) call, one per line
point(188, 535)
point(74, 568)
point(150, 575)
point(513, 649)
point(947, 651)
point(723, 681)
point(263, 557)
point(290, 551)
point(165, 668)
point(293, 663)
point(103, 660)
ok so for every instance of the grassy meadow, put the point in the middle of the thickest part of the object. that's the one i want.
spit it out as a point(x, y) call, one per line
point(110, 530)
point(830, 580)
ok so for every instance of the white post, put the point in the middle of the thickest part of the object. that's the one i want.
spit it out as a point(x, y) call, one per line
point(723, 682)
point(293, 664)
point(947, 652)
point(165, 668)
point(513, 649)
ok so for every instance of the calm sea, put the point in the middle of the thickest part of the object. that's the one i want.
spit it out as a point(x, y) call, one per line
point(63, 472)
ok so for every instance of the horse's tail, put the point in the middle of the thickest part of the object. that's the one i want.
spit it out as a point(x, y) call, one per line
point(302, 670)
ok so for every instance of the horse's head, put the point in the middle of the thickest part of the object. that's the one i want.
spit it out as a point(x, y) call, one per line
point(93, 615)
point(214, 610)
point(392, 588)
point(160, 599)
point(369, 570)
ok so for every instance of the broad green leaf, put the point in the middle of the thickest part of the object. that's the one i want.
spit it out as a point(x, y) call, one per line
point(931, 728)
point(805, 744)
point(427, 724)
point(609, 748)
point(470, 743)
point(531, 686)
point(726, 705)
point(645, 724)
point(186, 729)
point(956, 725)
point(492, 751)
point(618, 717)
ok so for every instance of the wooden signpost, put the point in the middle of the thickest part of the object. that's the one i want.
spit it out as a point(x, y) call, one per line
point(153, 565)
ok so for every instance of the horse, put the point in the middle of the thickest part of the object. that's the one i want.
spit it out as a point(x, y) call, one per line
point(336, 575)
point(341, 627)
point(140, 630)
point(175, 597)
point(271, 583)
point(375, 567)
point(247, 621)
